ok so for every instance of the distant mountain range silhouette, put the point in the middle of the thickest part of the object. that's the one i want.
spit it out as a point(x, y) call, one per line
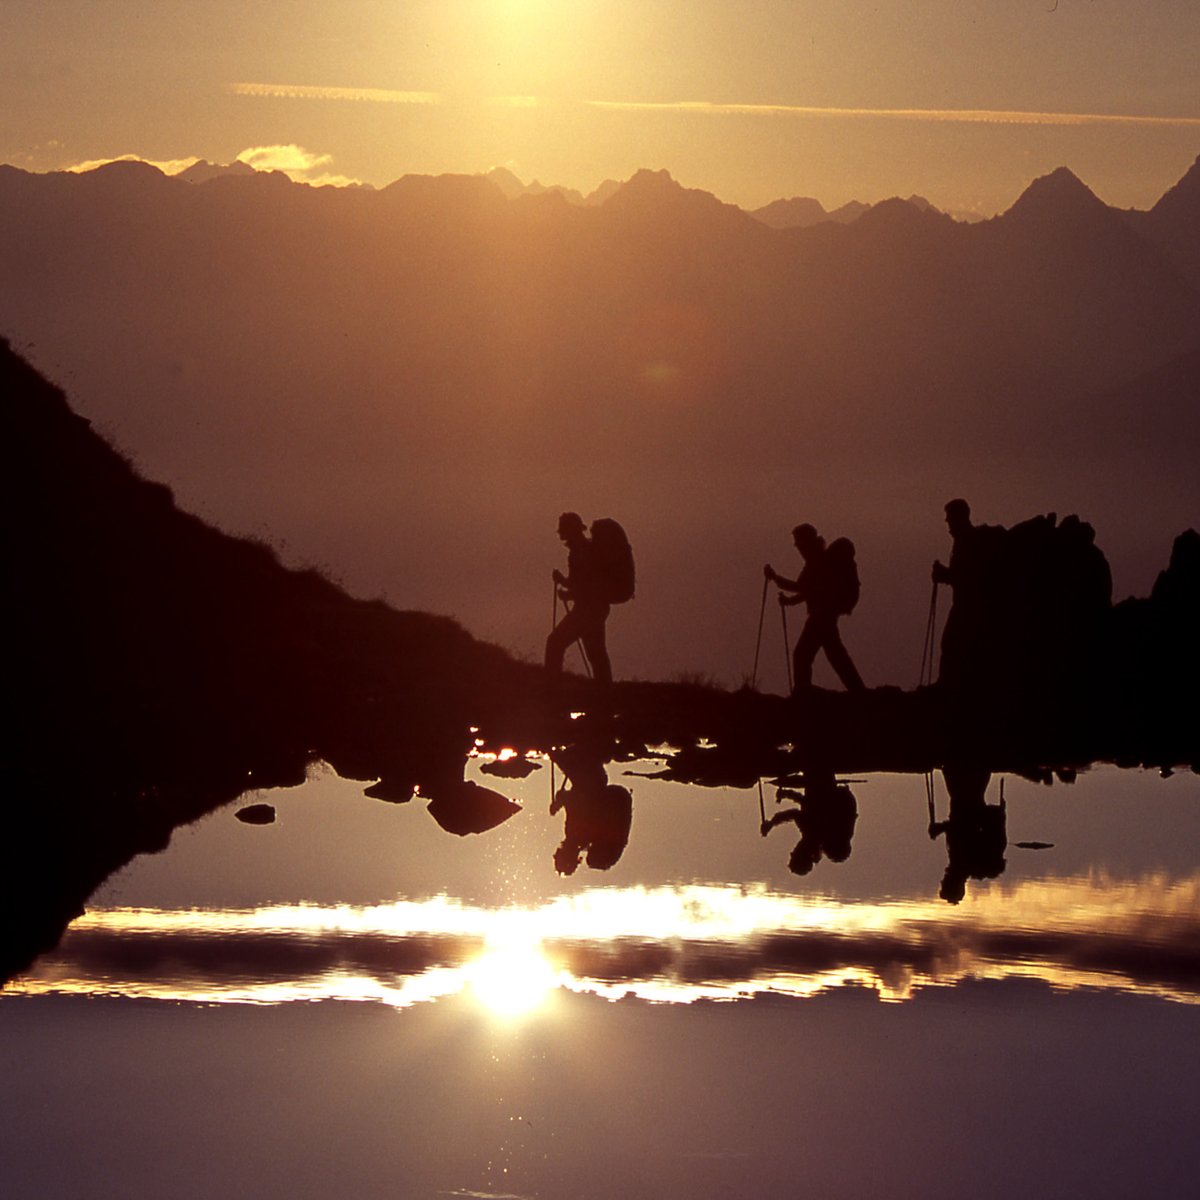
point(408, 384)
point(793, 212)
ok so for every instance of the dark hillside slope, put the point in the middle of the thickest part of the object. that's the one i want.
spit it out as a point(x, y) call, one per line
point(163, 668)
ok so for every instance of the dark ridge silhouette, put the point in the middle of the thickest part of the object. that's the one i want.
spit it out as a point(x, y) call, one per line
point(1173, 223)
point(796, 212)
point(802, 212)
point(203, 171)
point(513, 189)
point(1061, 194)
point(165, 667)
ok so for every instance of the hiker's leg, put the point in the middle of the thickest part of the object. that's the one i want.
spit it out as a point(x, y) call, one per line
point(595, 643)
point(596, 648)
point(807, 645)
point(840, 660)
point(560, 640)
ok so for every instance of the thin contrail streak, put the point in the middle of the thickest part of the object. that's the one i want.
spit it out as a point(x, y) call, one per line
point(967, 115)
point(981, 116)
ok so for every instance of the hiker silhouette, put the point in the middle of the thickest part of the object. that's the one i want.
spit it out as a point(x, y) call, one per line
point(828, 585)
point(1030, 611)
point(583, 590)
point(970, 647)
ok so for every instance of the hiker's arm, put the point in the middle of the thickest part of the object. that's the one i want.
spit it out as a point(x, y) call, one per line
point(788, 585)
point(942, 573)
point(798, 587)
point(563, 583)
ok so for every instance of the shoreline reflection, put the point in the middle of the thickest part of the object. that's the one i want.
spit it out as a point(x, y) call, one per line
point(670, 944)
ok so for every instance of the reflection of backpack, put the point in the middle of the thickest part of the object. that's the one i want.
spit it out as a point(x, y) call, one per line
point(614, 558)
point(844, 587)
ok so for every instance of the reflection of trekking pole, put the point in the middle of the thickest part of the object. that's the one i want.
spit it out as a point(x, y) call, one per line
point(927, 651)
point(762, 612)
point(762, 811)
point(787, 658)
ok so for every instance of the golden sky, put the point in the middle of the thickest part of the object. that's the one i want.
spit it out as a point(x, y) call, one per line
point(963, 101)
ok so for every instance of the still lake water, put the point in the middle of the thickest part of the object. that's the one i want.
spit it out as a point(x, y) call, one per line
point(351, 1001)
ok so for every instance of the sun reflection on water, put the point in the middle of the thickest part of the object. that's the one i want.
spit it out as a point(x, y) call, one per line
point(512, 977)
point(663, 945)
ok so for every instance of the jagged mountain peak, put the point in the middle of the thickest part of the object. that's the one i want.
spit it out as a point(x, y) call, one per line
point(795, 211)
point(506, 181)
point(650, 191)
point(1061, 194)
point(1184, 197)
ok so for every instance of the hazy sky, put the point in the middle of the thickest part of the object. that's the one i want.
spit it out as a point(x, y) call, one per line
point(964, 101)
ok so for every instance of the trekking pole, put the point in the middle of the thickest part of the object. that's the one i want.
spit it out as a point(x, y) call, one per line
point(928, 649)
point(787, 658)
point(924, 650)
point(762, 612)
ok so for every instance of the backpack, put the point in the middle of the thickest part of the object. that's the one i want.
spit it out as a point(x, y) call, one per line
point(614, 560)
point(844, 587)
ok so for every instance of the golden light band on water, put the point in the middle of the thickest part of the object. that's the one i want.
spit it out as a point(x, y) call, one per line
point(666, 945)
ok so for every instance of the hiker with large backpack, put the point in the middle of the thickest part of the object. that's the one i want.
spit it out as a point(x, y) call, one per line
point(599, 574)
point(829, 586)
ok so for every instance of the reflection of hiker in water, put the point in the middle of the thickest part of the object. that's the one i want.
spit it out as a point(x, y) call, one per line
point(976, 832)
point(828, 584)
point(825, 814)
point(599, 815)
point(582, 588)
point(969, 638)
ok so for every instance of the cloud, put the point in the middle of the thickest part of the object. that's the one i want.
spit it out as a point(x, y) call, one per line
point(297, 163)
point(297, 91)
point(325, 179)
point(283, 158)
point(953, 115)
point(169, 166)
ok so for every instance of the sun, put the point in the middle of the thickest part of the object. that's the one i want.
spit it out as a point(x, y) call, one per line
point(512, 977)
